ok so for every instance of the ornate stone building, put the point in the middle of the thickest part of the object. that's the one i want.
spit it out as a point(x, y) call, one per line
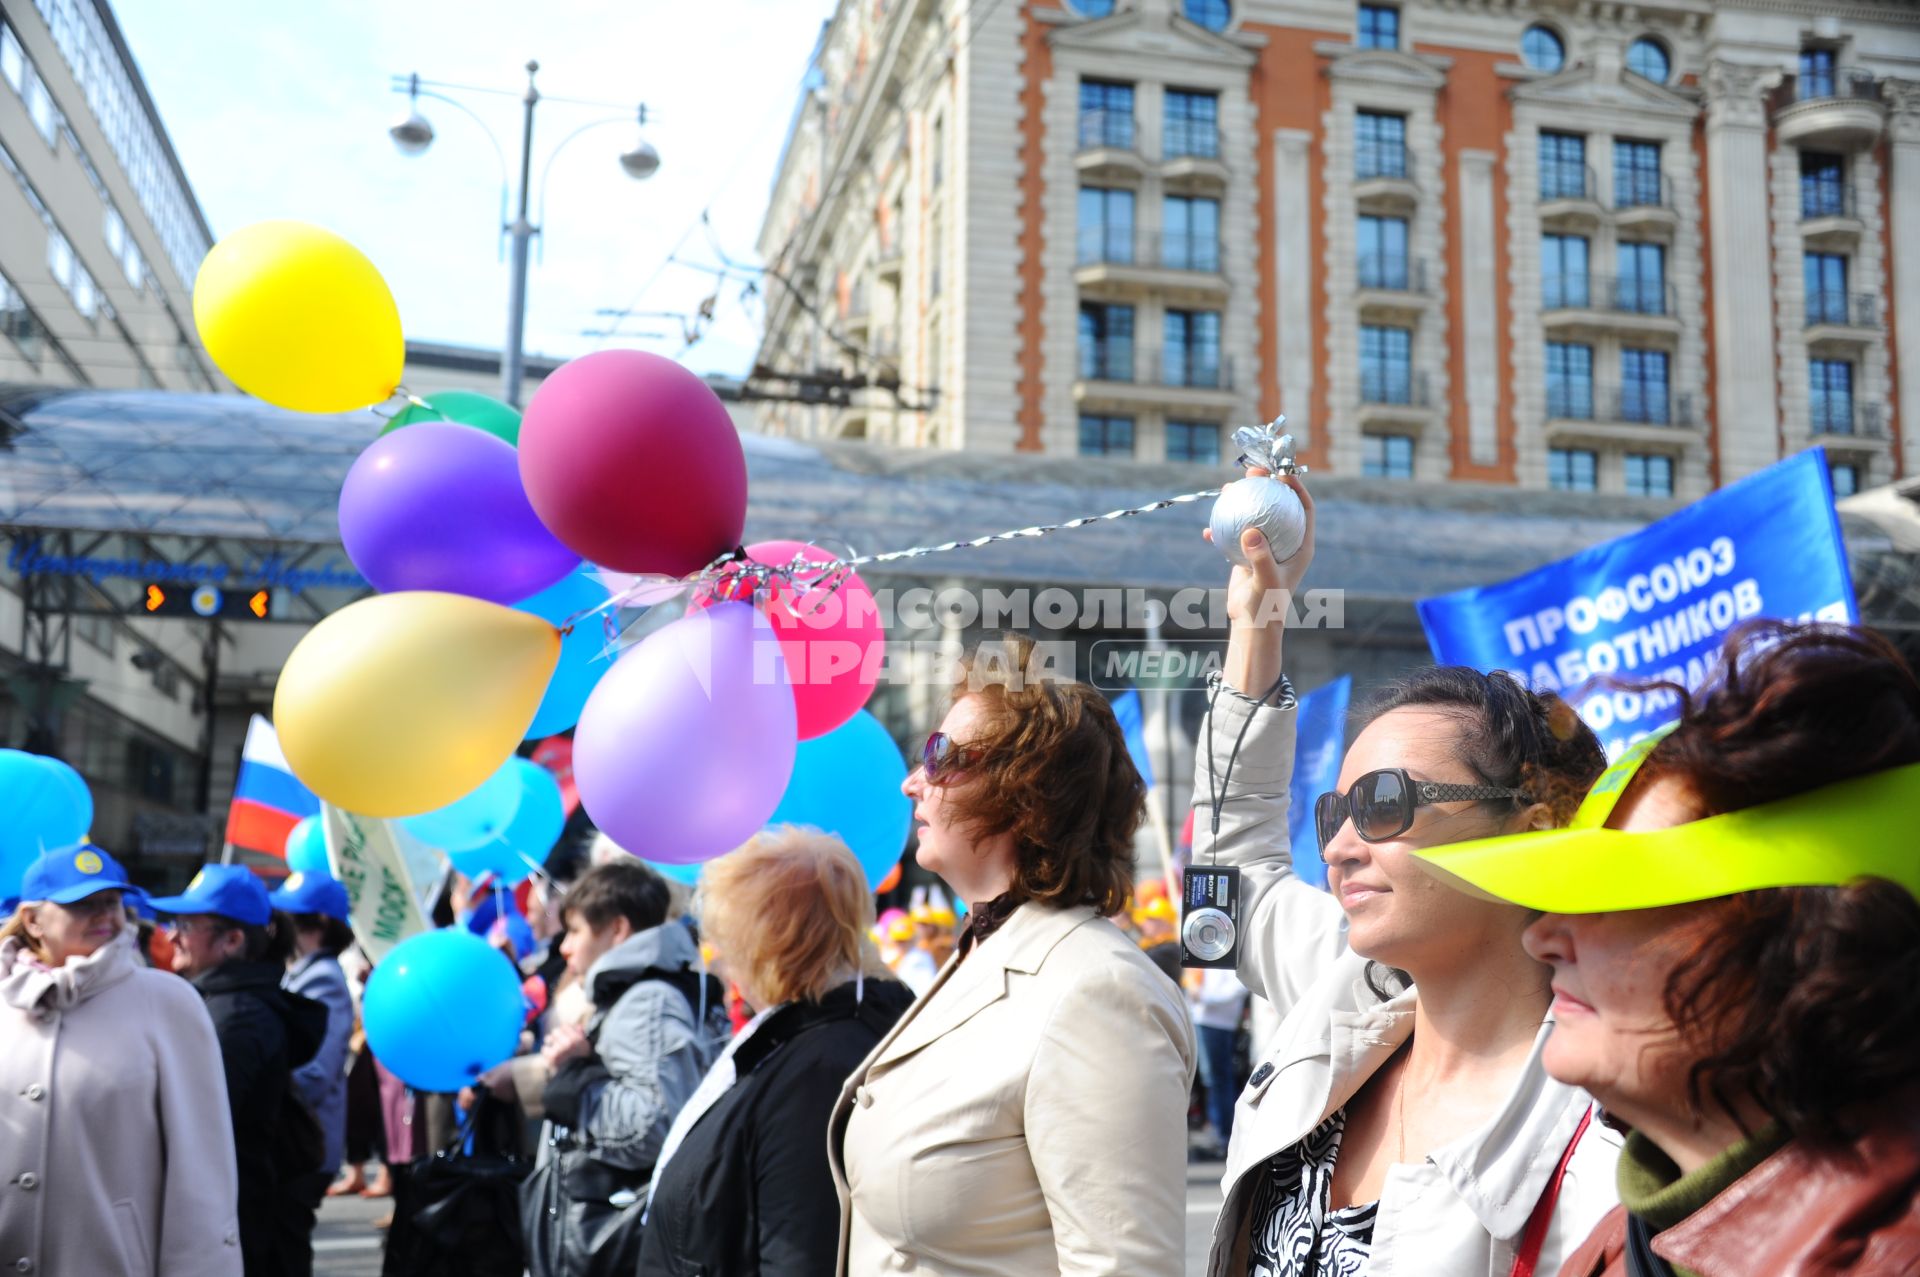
point(1639, 248)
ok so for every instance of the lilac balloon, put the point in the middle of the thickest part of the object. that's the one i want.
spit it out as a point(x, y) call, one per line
point(439, 506)
point(687, 743)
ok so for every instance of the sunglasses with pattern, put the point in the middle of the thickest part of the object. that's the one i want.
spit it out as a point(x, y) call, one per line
point(1382, 803)
point(943, 760)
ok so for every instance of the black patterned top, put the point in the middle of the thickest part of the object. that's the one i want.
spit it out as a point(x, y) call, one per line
point(1294, 1234)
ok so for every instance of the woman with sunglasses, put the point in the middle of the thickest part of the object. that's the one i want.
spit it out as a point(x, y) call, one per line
point(1734, 937)
point(1028, 1113)
point(1401, 1120)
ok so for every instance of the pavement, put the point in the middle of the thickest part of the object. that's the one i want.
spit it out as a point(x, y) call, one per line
point(345, 1243)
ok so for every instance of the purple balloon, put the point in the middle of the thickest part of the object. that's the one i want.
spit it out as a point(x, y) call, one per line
point(687, 743)
point(439, 506)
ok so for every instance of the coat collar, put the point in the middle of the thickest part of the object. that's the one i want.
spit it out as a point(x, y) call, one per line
point(965, 988)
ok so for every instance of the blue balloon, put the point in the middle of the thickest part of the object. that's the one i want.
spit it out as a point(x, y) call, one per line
point(474, 820)
point(687, 874)
point(538, 820)
point(848, 783)
point(47, 806)
point(581, 659)
point(441, 1009)
point(307, 848)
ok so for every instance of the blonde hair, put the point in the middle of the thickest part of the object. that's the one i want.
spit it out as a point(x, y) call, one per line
point(790, 914)
point(16, 928)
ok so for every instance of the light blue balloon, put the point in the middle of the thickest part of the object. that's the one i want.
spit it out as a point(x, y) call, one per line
point(307, 848)
point(848, 783)
point(538, 821)
point(474, 820)
point(441, 1009)
point(687, 874)
point(44, 806)
point(581, 663)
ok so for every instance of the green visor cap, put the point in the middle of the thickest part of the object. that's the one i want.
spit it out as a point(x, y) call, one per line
point(1867, 826)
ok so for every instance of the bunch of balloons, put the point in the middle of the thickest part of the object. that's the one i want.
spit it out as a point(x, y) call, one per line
point(46, 807)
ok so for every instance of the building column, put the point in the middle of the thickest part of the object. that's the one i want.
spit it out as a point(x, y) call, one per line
point(1903, 202)
point(1293, 280)
point(1745, 394)
point(1480, 338)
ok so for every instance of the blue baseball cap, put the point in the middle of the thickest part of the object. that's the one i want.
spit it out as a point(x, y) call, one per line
point(74, 873)
point(231, 891)
point(313, 893)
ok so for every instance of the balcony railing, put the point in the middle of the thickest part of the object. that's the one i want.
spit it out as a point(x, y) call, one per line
point(1837, 306)
point(1641, 403)
point(1826, 199)
point(1110, 360)
point(1198, 138)
point(1391, 272)
point(1840, 415)
point(1565, 180)
point(1106, 128)
point(1393, 385)
point(1170, 251)
point(1380, 159)
point(1640, 188)
point(1629, 295)
point(1855, 84)
point(1192, 368)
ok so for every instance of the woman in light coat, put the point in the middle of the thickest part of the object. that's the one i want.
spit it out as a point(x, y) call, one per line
point(1028, 1114)
point(116, 1152)
point(1401, 1121)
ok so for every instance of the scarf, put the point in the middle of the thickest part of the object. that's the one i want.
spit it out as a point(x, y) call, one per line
point(985, 919)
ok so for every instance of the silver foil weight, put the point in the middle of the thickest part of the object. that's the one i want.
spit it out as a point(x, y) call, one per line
point(1261, 502)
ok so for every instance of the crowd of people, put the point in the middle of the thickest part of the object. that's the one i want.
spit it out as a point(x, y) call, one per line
point(1655, 1018)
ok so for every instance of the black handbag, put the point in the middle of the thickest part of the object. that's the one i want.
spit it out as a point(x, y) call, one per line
point(582, 1217)
point(455, 1212)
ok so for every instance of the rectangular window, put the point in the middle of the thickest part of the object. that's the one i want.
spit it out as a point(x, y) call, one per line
point(1823, 185)
point(1106, 225)
point(1641, 288)
point(1572, 470)
point(1195, 441)
point(1380, 145)
point(1816, 74)
point(1563, 272)
point(1846, 480)
point(1563, 167)
point(1569, 381)
point(936, 251)
point(1649, 474)
point(1383, 252)
point(1386, 456)
point(1192, 233)
point(939, 147)
point(1192, 356)
point(1830, 395)
point(1106, 342)
point(13, 59)
point(1386, 365)
point(1105, 436)
point(1106, 114)
point(18, 323)
point(1379, 27)
point(1643, 387)
point(1826, 275)
point(1193, 124)
point(1636, 175)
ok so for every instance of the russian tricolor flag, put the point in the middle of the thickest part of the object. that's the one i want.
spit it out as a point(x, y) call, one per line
point(268, 800)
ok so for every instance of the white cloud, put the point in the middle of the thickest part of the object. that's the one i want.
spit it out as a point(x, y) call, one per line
point(282, 111)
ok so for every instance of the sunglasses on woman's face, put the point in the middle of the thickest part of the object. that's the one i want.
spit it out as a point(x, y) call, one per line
point(943, 760)
point(1382, 804)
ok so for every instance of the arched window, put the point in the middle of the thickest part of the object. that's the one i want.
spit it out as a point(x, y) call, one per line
point(1541, 49)
point(1211, 14)
point(1647, 57)
point(1093, 8)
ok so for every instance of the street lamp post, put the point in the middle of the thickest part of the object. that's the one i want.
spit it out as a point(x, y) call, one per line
point(413, 134)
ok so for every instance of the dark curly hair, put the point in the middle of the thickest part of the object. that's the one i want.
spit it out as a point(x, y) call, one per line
point(1804, 1000)
point(1055, 773)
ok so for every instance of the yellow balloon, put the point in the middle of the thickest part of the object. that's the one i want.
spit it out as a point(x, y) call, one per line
point(300, 318)
point(401, 703)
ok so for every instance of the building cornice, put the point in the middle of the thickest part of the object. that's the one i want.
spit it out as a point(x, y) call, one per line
point(1122, 32)
point(1585, 85)
point(1384, 66)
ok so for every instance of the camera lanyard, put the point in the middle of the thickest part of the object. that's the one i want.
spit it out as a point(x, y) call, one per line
point(1217, 784)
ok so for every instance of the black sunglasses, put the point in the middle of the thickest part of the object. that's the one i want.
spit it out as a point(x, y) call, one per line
point(1382, 803)
point(943, 760)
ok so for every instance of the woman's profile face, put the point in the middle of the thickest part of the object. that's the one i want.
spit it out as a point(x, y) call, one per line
point(947, 848)
point(1398, 913)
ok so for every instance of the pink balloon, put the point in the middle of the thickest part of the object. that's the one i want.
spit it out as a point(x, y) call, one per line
point(633, 463)
point(832, 638)
point(687, 743)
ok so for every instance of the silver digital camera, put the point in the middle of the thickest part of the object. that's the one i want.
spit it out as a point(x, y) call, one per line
point(1210, 917)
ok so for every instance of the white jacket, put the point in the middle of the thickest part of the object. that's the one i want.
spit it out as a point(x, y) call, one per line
point(1460, 1211)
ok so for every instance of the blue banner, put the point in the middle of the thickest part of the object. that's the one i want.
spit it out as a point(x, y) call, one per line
point(1319, 743)
point(1126, 708)
point(1655, 605)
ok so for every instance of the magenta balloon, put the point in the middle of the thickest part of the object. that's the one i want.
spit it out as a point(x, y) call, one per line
point(687, 743)
point(439, 506)
point(634, 462)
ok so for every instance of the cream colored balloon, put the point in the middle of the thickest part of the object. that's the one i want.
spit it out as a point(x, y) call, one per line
point(401, 703)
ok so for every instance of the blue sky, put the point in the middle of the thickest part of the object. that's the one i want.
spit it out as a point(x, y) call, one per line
point(281, 110)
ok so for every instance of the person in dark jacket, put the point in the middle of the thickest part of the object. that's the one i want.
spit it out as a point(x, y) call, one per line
point(742, 1185)
point(228, 942)
point(321, 913)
